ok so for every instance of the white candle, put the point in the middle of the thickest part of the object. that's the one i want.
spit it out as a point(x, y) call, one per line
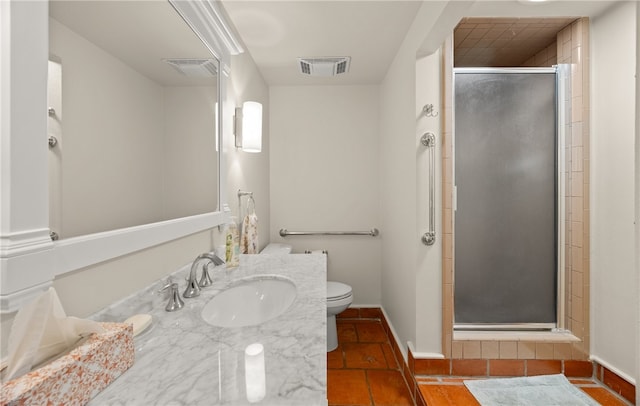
point(254, 372)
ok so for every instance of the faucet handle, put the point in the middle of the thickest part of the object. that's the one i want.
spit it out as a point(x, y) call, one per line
point(193, 289)
point(217, 261)
point(205, 280)
point(175, 302)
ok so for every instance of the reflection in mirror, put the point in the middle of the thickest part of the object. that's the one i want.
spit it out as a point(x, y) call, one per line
point(133, 96)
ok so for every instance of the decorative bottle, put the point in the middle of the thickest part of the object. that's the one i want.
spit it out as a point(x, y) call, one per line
point(232, 244)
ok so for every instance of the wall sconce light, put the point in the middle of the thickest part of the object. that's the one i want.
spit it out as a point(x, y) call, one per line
point(248, 126)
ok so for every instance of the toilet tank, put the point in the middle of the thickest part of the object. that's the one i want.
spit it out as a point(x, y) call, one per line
point(275, 248)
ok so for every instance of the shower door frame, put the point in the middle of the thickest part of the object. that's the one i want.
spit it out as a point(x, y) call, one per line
point(563, 92)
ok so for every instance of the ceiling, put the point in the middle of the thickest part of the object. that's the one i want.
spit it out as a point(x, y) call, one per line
point(278, 32)
point(503, 42)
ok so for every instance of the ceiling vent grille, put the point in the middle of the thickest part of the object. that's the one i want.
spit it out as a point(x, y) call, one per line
point(195, 67)
point(324, 66)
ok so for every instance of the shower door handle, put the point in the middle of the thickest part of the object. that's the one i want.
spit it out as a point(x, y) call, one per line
point(429, 140)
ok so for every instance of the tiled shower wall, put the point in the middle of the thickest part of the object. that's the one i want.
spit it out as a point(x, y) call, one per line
point(545, 58)
point(572, 48)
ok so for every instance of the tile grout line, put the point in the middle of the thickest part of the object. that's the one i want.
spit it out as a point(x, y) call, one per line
point(416, 394)
point(366, 378)
point(401, 365)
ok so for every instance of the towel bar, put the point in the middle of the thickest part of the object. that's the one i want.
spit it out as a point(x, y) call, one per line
point(373, 232)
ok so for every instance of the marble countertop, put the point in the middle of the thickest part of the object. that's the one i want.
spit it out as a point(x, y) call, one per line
point(181, 359)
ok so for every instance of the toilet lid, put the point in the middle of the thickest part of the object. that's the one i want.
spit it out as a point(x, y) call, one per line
point(337, 290)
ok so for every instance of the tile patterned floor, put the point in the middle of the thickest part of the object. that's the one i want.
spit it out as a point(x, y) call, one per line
point(363, 371)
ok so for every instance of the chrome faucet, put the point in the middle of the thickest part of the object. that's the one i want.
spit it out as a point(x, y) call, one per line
point(175, 303)
point(193, 286)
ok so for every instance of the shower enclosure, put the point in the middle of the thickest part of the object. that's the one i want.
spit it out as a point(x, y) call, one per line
point(505, 171)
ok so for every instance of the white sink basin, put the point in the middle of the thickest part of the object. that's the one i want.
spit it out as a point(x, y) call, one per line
point(250, 301)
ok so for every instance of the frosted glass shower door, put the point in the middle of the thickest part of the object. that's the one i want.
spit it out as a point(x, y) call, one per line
point(505, 220)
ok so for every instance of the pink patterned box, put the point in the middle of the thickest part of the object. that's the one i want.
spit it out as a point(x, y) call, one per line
point(78, 376)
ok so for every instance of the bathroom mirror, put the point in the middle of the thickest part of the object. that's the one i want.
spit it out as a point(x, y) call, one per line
point(133, 109)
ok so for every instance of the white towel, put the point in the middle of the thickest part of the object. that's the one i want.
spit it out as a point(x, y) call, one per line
point(249, 237)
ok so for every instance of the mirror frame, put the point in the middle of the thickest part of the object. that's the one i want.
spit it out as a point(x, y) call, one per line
point(29, 259)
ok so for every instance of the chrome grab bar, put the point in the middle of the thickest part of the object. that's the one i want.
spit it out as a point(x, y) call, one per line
point(429, 140)
point(373, 232)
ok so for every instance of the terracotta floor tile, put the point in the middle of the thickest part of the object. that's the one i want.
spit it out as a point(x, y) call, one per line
point(347, 387)
point(603, 396)
point(445, 395)
point(358, 355)
point(388, 388)
point(370, 313)
point(426, 379)
point(459, 381)
point(543, 367)
point(506, 367)
point(349, 314)
point(582, 381)
point(346, 332)
point(432, 366)
point(335, 358)
point(409, 380)
point(371, 332)
point(388, 355)
point(469, 367)
point(619, 385)
point(581, 369)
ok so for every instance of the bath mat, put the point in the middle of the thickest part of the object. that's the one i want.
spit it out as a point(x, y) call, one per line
point(543, 390)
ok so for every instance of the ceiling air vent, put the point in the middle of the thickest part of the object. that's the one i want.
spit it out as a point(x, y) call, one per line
point(324, 66)
point(195, 67)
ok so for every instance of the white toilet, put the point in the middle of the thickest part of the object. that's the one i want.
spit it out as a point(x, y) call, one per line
point(339, 296)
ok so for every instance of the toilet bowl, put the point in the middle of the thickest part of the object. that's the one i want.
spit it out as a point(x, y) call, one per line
point(339, 296)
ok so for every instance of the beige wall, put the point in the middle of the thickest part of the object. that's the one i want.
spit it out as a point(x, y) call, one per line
point(85, 291)
point(402, 252)
point(637, 198)
point(325, 176)
point(613, 244)
point(245, 170)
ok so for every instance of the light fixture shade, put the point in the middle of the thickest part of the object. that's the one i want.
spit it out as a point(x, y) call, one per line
point(251, 126)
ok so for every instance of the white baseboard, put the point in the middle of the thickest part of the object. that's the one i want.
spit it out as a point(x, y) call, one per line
point(424, 355)
point(613, 369)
